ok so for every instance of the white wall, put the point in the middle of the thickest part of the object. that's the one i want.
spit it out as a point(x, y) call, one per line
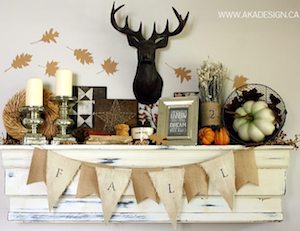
point(267, 51)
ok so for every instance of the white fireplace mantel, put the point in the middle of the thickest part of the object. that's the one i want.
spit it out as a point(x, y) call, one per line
point(28, 203)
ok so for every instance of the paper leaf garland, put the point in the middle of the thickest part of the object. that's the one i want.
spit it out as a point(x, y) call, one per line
point(48, 37)
point(239, 81)
point(51, 68)
point(169, 186)
point(155, 138)
point(195, 181)
point(221, 175)
point(83, 55)
point(87, 184)
point(112, 184)
point(20, 61)
point(245, 168)
point(60, 173)
point(182, 72)
point(37, 172)
point(109, 66)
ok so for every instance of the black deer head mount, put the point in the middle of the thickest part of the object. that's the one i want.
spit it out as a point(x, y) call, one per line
point(147, 84)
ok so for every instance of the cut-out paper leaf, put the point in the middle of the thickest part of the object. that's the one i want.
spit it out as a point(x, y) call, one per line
point(83, 55)
point(48, 37)
point(155, 138)
point(240, 81)
point(20, 61)
point(109, 66)
point(182, 72)
point(51, 68)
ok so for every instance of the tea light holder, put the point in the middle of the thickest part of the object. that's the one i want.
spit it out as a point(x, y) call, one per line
point(31, 122)
point(64, 121)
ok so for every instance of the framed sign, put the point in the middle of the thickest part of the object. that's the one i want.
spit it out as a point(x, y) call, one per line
point(178, 120)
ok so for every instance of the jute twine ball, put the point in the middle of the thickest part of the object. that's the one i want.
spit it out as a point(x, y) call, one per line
point(12, 116)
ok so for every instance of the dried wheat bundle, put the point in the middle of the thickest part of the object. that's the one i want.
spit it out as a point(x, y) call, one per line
point(12, 116)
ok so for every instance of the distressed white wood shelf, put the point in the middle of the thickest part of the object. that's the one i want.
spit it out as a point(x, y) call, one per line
point(28, 203)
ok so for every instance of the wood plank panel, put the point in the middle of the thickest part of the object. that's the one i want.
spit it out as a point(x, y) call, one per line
point(211, 204)
point(145, 217)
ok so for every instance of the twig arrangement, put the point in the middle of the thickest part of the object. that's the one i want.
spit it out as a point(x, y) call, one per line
point(281, 139)
point(211, 80)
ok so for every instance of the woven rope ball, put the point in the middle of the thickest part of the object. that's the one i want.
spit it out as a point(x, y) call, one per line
point(12, 116)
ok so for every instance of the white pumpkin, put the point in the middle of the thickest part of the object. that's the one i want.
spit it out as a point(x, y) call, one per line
point(254, 121)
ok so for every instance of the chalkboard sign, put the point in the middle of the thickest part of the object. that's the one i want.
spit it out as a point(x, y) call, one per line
point(178, 122)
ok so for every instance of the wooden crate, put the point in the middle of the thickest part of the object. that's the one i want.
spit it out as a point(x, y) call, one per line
point(28, 203)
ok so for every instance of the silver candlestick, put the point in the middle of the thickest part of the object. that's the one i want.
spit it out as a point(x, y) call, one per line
point(63, 122)
point(31, 122)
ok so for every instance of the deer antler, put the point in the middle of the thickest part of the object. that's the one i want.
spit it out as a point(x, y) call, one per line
point(125, 30)
point(166, 32)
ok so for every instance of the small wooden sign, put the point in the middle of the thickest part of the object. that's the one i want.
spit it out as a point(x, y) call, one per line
point(178, 122)
point(110, 112)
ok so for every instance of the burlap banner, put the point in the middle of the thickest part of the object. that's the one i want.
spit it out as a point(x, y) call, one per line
point(60, 173)
point(87, 184)
point(168, 183)
point(226, 173)
point(112, 184)
point(221, 174)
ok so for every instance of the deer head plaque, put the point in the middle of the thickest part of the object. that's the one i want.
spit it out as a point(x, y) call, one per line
point(147, 84)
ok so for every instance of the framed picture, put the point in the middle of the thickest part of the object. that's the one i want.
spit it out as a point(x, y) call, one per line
point(147, 115)
point(83, 111)
point(178, 120)
point(186, 93)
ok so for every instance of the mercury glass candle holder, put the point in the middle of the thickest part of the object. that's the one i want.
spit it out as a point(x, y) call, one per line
point(31, 122)
point(64, 121)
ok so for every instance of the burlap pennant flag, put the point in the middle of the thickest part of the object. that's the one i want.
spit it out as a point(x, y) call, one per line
point(195, 181)
point(245, 168)
point(88, 183)
point(112, 184)
point(221, 175)
point(169, 186)
point(142, 185)
point(37, 172)
point(60, 173)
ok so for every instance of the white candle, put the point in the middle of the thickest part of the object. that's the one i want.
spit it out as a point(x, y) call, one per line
point(34, 92)
point(64, 82)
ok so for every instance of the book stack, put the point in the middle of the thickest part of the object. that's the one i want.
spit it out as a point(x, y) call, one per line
point(110, 139)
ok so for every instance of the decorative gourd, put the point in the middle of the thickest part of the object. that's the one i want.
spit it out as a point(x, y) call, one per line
point(254, 121)
point(206, 136)
point(222, 136)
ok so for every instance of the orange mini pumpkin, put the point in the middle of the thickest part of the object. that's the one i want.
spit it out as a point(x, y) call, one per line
point(206, 136)
point(222, 136)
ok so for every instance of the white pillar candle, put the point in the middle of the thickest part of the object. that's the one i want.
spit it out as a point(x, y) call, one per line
point(34, 92)
point(64, 82)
